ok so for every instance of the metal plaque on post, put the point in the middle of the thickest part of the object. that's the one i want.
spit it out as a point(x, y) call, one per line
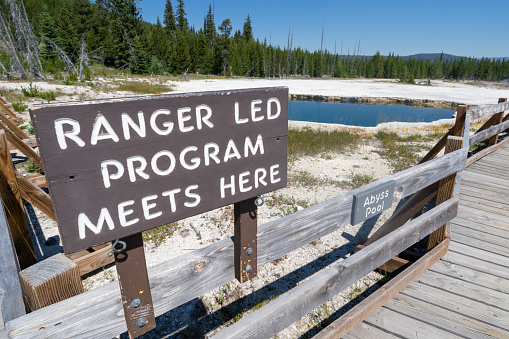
point(372, 202)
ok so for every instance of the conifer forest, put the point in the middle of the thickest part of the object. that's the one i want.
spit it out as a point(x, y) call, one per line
point(42, 37)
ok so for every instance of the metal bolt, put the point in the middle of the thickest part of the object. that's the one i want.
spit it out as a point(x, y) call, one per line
point(249, 251)
point(110, 254)
point(141, 322)
point(136, 303)
point(249, 269)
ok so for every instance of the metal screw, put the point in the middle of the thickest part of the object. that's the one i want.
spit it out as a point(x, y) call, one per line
point(249, 251)
point(118, 249)
point(141, 322)
point(259, 201)
point(136, 303)
point(249, 269)
point(110, 254)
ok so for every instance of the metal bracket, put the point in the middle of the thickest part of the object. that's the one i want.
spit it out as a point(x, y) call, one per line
point(245, 244)
point(134, 285)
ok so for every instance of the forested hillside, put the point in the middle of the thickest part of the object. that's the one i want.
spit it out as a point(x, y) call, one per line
point(113, 33)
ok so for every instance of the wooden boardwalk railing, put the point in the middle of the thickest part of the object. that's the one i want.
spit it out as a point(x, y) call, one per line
point(98, 313)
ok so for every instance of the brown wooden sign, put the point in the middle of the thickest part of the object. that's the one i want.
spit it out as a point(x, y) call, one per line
point(117, 167)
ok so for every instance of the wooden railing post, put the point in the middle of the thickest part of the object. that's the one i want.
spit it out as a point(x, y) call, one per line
point(498, 118)
point(445, 192)
point(13, 204)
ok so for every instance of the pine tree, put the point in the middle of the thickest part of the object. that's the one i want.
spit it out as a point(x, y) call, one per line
point(169, 19)
point(247, 32)
point(182, 24)
point(181, 59)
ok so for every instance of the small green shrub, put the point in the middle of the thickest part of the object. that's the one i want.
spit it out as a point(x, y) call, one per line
point(33, 168)
point(48, 96)
point(19, 106)
point(31, 91)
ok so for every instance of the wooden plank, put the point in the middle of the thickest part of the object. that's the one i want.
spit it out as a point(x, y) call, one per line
point(485, 193)
point(405, 326)
point(488, 218)
point(482, 185)
point(3, 107)
point(502, 205)
point(484, 208)
point(476, 176)
point(289, 307)
point(481, 244)
point(499, 260)
point(214, 263)
point(445, 191)
point(458, 304)
point(486, 151)
point(458, 324)
point(495, 172)
point(369, 305)
point(483, 294)
point(35, 196)
point(93, 260)
point(455, 130)
point(481, 136)
point(50, 281)
point(13, 127)
point(15, 211)
point(484, 111)
point(487, 229)
point(366, 331)
point(22, 147)
point(11, 296)
point(471, 266)
point(498, 118)
point(39, 181)
point(392, 265)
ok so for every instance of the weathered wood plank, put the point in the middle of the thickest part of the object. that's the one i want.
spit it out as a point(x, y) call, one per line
point(488, 218)
point(487, 133)
point(22, 147)
point(458, 304)
point(405, 326)
point(481, 244)
point(3, 107)
point(500, 263)
point(454, 322)
point(485, 111)
point(11, 296)
point(10, 124)
point(499, 204)
point(369, 305)
point(455, 130)
point(292, 305)
point(91, 261)
point(486, 151)
point(50, 281)
point(445, 192)
point(36, 196)
point(170, 280)
point(15, 212)
point(480, 235)
point(492, 230)
point(470, 268)
point(495, 172)
point(366, 331)
point(433, 277)
point(482, 185)
point(485, 208)
point(484, 194)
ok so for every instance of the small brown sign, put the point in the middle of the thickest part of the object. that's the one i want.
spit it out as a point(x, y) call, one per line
point(117, 167)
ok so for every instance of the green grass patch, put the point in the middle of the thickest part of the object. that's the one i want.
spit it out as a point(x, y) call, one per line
point(33, 168)
point(19, 106)
point(158, 234)
point(402, 152)
point(312, 142)
point(143, 88)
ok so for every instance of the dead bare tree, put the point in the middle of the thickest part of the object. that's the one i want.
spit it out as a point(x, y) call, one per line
point(289, 51)
point(84, 60)
point(68, 64)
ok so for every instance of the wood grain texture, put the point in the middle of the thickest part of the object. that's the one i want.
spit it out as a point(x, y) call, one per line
point(15, 211)
point(11, 296)
point(369, 305)
point(170, 280)
point(50, 281)
point(22, 147)
point(3, 107)
point(392, 265)
point(13, 127)
point(291, 306)
point(366, 331)
point(90, 261)
point(485, 111)
point(35, 196)
point(445, 192)
point(494, 130)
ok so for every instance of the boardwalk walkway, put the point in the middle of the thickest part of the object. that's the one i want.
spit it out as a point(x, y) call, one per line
point(466, 293)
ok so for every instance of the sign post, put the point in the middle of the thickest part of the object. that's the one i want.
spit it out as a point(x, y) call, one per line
point(117, 167)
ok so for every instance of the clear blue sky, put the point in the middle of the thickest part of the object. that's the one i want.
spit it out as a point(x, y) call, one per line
point(466, 28)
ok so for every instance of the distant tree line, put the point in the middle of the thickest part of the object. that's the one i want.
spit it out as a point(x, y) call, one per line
point(113, 33)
